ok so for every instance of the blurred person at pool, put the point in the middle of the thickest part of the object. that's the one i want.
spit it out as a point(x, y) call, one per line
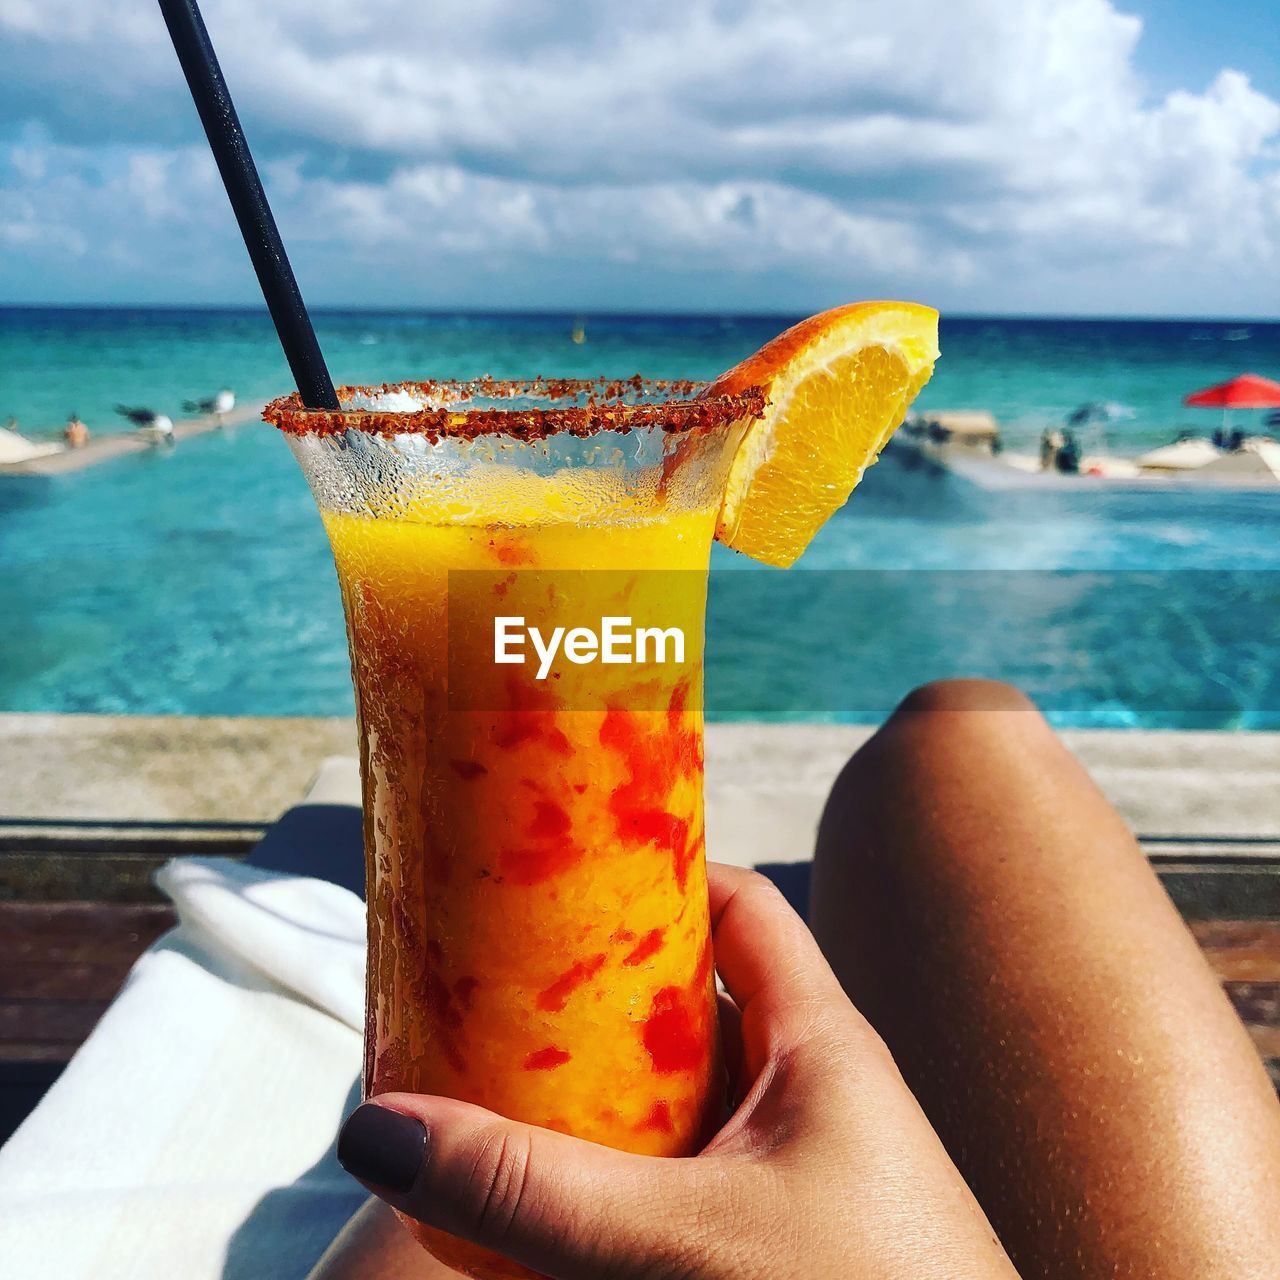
point(75, 433)
point(158, 426)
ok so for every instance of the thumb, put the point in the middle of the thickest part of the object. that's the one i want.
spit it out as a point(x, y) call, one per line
point(557, 1204)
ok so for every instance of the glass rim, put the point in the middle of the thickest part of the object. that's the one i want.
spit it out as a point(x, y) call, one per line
point(592, 405)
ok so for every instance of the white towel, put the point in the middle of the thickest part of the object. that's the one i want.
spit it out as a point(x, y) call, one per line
point(192, 1136)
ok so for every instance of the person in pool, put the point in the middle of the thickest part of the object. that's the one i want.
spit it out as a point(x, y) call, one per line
point(998, 1053)
point(75, 433)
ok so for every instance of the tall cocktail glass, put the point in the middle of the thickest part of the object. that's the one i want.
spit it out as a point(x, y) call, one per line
point(538, 922)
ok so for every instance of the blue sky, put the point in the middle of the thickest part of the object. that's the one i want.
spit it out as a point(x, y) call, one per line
point(1185, 42)
point(1046, 156)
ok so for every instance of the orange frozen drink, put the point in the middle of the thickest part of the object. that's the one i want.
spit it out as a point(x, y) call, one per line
point(538, 924)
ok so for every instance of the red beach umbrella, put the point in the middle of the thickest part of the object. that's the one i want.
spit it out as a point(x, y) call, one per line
point(1248, 391)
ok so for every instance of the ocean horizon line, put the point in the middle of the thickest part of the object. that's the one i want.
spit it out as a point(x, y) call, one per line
point(587, 313)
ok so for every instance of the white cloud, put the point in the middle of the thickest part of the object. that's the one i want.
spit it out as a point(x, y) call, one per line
point(988, 151)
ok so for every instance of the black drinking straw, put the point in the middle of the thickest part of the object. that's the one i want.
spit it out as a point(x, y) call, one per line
point(249, 202)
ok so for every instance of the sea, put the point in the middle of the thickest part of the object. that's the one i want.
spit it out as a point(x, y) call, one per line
point(198, 581)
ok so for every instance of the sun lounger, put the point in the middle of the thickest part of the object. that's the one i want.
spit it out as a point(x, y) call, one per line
point(192, 1134)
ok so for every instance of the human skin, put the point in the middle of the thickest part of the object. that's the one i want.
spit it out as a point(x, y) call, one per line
point(994, 918)
point(988, 910)
point(827, 1166)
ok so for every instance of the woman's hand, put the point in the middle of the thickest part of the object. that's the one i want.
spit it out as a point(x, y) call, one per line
point(826, 1168)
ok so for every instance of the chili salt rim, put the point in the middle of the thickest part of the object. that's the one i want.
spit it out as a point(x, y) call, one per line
point(603, 409)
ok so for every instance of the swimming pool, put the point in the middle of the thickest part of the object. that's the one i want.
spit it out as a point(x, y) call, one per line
point(198, 581)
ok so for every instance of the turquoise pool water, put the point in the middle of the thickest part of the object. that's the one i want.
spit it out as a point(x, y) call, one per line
point(198, 581)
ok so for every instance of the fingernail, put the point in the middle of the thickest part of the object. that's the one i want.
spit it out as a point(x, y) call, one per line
point(382, 1146)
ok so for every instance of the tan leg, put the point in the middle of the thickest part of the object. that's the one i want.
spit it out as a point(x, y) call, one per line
point(990, 913)
point(374, 1246)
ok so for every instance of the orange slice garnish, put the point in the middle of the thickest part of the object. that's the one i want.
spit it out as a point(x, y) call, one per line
point(838, 386)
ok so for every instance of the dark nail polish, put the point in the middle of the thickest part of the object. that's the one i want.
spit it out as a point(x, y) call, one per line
point(383, 1147)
